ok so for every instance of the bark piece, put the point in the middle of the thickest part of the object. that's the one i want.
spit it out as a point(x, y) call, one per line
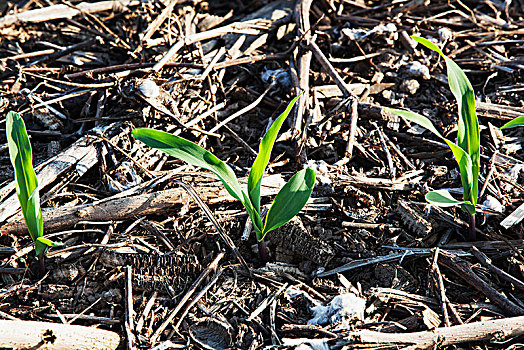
point(294, 236)
point(414, 219)
point(62, 11)
point(151, 272)
point(117, 208)
point(47, 335)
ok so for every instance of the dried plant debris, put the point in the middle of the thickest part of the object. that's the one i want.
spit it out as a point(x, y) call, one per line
point(145, 259)
point(153, 272)
point(414, 219)
point(295, 237)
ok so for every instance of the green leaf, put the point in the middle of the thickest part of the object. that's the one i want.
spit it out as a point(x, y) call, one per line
point(193, 154)
point(264, 152)
point(462, 158)
point(33, 216)
point(443, 198)
point(41, 245)
point(519, 121)
point(468, 135)
point(49, 242)
point(25, 177)
point(289, 201)
point(21, 158)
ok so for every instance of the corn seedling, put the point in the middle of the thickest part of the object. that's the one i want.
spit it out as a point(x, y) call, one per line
point(288, 202)
point(467, 148)
point(519, 121)
point(26, 182)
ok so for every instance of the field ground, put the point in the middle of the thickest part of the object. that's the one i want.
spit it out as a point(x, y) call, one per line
point(149, 242)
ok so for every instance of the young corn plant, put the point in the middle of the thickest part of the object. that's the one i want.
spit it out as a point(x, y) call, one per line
point(519, 121)
point(26, 183)
point(288, 202)
point(467, 148)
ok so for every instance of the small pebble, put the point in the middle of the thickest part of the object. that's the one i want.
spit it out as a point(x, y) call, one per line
point(410, 85)
point(149, 89)
point(493, 203)
point(445, 34)
point(417, 69)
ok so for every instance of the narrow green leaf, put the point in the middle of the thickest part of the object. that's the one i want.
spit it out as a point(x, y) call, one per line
point(462, 158)
point(25, 177)
point(443, 198)
point(21, 158)
point(42, 244)
point(519, 121)
point(428, 44)
point(289, 201)
point(193, 154)
point(33, 216)
point(264, 152)
point(49, 242)
point(468, 135)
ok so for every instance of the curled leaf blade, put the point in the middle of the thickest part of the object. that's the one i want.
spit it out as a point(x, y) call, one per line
point(290, 200)
point(26, 181)
point(264, 152)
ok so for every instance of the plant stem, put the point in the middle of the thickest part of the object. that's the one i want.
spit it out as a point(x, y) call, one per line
point(42, 265)
point(472, 231)
point(262, 251)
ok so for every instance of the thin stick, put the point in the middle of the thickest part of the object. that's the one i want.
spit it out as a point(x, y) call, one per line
point(486, 262)
point(198, 297)
point(440, 285)
point(128, 325)
point(227, 240)
point(56, 55)
point(352, 128)
point(463, 269)
point(245, 109)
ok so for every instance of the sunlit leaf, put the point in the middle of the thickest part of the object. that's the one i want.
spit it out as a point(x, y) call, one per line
point(519, 121)
point(443, 198)
point(468, 135)
point(48, 242)
point(462, 158)
point(289, 201)
point(264, 152)
point(195, 155)
point(25, 178)
point(21, 158)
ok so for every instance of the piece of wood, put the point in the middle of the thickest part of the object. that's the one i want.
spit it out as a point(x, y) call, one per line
point(500, 330)
point(118, 207)
point(56, 336)
point(62, 11)
point(486, 262)
point(514, 218)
